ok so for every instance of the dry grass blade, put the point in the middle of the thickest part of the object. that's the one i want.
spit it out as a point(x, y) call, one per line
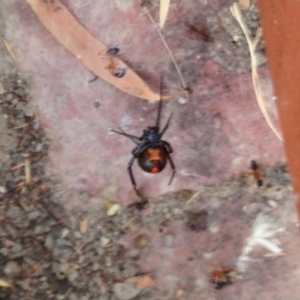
point(167, 48)
point(190, 200)
point(4, 283)
point(28, 174)
point(256, 83)
point(164, 7)
point(17, 166)
point(9, 137)
point(75, 38)
point(10, 51)
point(21, 126)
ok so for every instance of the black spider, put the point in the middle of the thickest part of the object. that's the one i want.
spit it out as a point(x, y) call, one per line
point(151, 151)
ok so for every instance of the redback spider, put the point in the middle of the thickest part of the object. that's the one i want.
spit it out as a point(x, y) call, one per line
point(151, 151)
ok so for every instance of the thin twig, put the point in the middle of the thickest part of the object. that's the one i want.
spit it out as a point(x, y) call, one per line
point(10, 51)
point(190, 200)
point(21, 126)
point(146, 11)
point(8, 136)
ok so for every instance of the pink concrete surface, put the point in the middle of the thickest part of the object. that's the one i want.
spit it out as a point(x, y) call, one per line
point(214, 135)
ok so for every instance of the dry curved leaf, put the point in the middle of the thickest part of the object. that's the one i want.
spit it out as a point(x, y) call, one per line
point(75, 38)
point(163, 12)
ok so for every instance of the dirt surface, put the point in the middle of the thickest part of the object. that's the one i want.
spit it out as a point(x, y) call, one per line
point(233, 240)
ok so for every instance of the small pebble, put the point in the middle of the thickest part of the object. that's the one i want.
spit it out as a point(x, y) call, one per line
point(13, 211)
point(49, 243)
point(28, 111)
point(124, 291)
point(10, 186)
point(9, 97)
point(33, 215)
point(72, 275)
point(12, 269)
point(64, 233)
point(38, 147)
point(141, 241)
point(104, 241)
point(95, 266)
point(77, 235)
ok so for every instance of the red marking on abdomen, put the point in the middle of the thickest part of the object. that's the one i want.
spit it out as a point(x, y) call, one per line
point(154, 170)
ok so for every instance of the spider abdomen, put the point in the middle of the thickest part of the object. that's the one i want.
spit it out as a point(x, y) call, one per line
point(153, 159)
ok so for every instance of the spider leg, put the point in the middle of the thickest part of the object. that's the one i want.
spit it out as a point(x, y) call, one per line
point(172, 167)
point(166, 126)
point(159, 105)
point(167, 146)
point(169, 150)
point(130, 136)
point(129, 168)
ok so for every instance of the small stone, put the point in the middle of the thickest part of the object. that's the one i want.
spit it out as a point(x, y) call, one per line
point(124, 291)
point(20, 105)
point(13, 212)
point(108, 261)
point(33, 215)
point(10, 230)
point(96, 104)
point(60, 270)
point(72, 296)
point(77, 235)
point(181, 100)
point(95, 266)
point(17, 248)
point(10, 186)
point(64, 233)
point(11, 269)
point(141, 241)
point(9, 97)
point(28, 111)
point(63, 249)
point(15, 100)
point(49, 242)
point(25, 284)
point(43, 227)
point(72, 275)
point(38, 147)
point(104, 241)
